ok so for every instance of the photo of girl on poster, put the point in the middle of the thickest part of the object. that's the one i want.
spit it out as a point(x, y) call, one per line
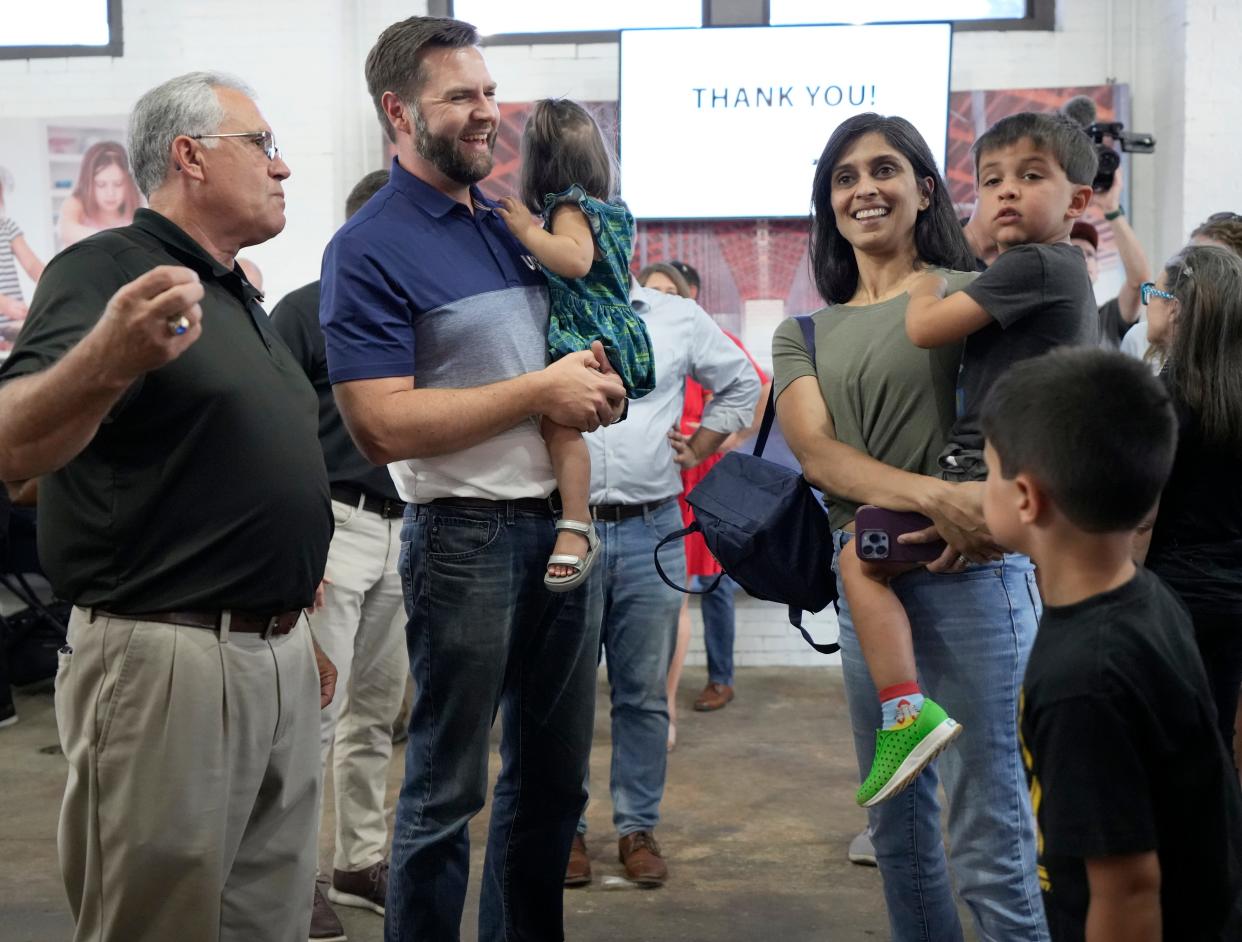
point(14, 251)
point(105, 196)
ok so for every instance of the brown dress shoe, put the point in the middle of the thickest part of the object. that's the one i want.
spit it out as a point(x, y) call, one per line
point(578, 872)
point(713, 697)
point(641, 855)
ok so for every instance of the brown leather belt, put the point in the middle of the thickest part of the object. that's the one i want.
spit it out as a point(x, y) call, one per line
point(614, 513)
point(265, 625)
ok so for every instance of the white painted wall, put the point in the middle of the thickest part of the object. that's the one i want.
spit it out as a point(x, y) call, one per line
point(303, 58)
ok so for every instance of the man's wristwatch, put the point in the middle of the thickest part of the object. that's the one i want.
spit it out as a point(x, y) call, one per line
point(1119, 211)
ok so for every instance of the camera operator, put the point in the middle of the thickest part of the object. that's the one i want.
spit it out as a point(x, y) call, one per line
point(1119, 313)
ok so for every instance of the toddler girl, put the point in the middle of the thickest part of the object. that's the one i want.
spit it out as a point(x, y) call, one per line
point(569, 175)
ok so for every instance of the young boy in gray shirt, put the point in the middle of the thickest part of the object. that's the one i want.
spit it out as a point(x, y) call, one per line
point(1034, 174)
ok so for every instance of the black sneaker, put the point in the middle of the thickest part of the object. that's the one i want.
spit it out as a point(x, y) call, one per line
point(325, 924)
point(365, 889)
point(8, 714)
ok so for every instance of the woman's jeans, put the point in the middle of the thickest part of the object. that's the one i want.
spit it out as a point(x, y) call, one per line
point(972, 634)
point(719, 626)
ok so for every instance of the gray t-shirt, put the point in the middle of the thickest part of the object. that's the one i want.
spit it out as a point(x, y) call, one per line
point(1039, 297)
point(887, 398)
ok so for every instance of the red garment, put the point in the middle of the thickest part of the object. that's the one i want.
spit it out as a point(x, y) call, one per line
point(700, 562)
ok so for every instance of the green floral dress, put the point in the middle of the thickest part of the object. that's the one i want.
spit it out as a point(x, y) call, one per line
point(597, 307)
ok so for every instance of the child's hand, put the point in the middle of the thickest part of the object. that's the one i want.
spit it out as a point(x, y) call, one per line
point(517, 217)
point(928, 285)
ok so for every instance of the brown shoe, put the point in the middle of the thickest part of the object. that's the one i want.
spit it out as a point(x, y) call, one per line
point(578, 873)
point(325, 925)
point(713, 697)
point(365, 889)
point(641, 855)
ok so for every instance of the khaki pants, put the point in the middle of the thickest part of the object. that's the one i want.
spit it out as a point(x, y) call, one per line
point(361, 628)
point(189, 812)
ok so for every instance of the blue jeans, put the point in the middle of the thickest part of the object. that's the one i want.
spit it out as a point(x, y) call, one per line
point(484, 635)
point(719, 627)
point(972, 634)
point(639, 633)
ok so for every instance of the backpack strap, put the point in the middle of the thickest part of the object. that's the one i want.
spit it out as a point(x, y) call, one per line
point(679, 535)
point(795, 619)
point(769, 413)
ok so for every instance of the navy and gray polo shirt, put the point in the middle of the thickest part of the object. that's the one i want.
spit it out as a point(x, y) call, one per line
point(414, 284)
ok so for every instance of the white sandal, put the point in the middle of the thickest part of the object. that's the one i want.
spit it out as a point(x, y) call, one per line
point(580, 563)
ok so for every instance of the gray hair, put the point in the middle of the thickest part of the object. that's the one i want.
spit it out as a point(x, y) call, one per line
point(187, 105)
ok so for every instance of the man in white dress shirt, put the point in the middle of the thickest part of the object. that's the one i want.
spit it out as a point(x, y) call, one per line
point(635, 480)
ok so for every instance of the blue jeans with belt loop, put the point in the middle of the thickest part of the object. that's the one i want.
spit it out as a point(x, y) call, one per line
point(638, 635)
point(484, 635)
point(719, 613)
point(972, 634)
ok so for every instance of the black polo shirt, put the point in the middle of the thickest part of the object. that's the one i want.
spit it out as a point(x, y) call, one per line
point(296, 319)
point(205, 488)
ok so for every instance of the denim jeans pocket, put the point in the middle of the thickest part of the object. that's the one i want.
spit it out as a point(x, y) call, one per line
point(459, 537)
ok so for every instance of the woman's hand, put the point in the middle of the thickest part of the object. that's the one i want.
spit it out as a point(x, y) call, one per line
point(956, 511)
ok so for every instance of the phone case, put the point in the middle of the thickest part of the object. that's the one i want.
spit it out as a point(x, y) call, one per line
point(876, 531)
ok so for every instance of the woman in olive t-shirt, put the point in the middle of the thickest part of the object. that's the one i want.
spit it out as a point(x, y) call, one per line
point(867, 420)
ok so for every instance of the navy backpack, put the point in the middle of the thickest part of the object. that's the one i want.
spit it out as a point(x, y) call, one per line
point(766, 527)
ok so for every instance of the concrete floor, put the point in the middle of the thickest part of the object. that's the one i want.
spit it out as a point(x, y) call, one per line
point(757, 816)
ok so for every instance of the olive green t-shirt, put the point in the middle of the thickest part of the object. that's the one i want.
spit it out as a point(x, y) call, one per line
point(887, 398)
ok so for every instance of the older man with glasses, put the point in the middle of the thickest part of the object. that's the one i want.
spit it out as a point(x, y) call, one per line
point(184, 511)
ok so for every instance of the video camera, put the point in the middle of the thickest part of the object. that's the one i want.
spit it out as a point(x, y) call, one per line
point(1081, 110)
point(1102, 133)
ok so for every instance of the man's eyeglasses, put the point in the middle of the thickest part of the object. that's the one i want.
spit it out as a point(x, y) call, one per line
point(1148, 288)
point(262, 139)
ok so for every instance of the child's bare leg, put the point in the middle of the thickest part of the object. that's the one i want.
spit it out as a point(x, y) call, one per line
point(571, 463)
point(913, 729)
point(879, 618)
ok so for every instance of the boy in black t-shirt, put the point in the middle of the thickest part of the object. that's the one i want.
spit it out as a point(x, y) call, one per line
point(1138, 810)
point(1034, 173)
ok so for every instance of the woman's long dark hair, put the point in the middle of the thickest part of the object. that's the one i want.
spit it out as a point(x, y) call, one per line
point(938, 237)
point(1205, 358)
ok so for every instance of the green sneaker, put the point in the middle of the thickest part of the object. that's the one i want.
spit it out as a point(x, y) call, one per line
point(901, 754)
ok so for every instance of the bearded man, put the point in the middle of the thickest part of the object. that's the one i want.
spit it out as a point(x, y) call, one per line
point(435, 323)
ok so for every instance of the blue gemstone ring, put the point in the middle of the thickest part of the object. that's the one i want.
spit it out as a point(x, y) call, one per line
point(178, 326)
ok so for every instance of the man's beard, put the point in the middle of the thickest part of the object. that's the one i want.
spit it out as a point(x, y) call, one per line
point(442, 153)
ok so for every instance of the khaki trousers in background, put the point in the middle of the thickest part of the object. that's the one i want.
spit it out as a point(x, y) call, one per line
point(189, 812)
point(361, 628)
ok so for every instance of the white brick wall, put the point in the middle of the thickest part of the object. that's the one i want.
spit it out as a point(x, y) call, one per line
point(765, 638)
point(1212, 110)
